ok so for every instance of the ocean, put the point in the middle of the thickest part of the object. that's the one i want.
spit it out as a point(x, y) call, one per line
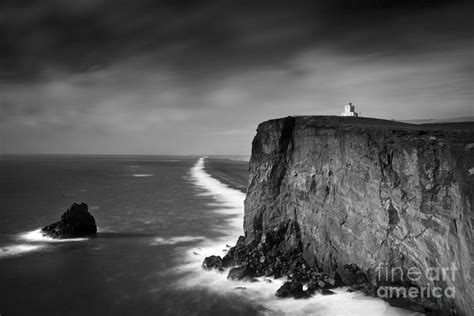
point(158, 217)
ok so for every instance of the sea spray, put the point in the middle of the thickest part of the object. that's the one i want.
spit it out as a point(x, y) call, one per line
point(37, 236)
point(31, 241)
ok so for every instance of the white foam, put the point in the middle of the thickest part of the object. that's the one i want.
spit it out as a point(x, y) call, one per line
point(142, 175)
point(37, 236)
point(175, 240)
point(260, 293)
point(14, 250)
point(35, 241)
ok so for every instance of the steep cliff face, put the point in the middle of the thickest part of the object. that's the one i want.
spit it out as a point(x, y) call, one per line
point(369, 192)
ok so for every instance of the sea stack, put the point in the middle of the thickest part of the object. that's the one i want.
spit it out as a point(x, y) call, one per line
point(75, 222)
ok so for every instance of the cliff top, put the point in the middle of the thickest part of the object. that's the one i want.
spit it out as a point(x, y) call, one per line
point(340, 121)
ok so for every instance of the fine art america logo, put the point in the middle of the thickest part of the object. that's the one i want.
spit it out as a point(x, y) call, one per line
point(433, 275)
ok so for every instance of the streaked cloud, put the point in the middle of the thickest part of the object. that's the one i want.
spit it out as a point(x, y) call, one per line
point(156, 77)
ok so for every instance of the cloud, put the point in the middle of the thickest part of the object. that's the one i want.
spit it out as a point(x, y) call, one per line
point(206, 38)
point(197, 77)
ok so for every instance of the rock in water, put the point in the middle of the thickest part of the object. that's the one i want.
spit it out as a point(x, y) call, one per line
point(291, 289)
point(75, 222)
point(327, 292)
point(235, 255)
point(212, 262)
point(240, 273)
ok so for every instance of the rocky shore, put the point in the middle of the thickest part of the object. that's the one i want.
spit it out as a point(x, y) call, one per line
point(332, 199)
point(275, 257)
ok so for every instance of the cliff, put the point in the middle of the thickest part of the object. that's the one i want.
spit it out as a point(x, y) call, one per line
point(378, 195)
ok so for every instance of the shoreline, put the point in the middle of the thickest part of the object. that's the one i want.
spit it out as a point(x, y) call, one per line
point(233, 173)
point(264, 288)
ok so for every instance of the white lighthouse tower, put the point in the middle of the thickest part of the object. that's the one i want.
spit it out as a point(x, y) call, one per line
point(349, 110)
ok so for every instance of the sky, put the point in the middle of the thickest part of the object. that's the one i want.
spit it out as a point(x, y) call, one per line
point(197, 77)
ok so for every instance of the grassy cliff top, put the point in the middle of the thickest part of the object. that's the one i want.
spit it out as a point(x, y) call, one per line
point(341, 121)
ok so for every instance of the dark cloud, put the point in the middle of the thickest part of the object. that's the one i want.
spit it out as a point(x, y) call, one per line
point(90, 76)
point(194, 36)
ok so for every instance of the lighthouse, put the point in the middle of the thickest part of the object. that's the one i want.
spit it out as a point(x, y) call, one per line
point(349, 110)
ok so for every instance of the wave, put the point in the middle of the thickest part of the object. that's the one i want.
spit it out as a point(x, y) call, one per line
point(261, 293)
point(175, 240)
point(13, 250)
point(32, 241)
point(142, 175)
point(37, 236)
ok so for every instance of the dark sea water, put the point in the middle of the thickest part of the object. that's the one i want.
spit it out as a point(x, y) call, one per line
point(158, 217)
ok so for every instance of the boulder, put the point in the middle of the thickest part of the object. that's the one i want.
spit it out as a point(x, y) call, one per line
point(335, 279)
point(239, 273)
point(291, 289)
point(212, 262)
point(351, 274)
point(327, 292)
point(237, 254)
point(313, 286)
point(75, 222)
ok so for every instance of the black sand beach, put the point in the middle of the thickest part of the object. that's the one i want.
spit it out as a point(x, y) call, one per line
point(234, 173)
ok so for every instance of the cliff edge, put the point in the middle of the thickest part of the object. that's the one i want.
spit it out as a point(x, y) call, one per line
point(385, 197)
